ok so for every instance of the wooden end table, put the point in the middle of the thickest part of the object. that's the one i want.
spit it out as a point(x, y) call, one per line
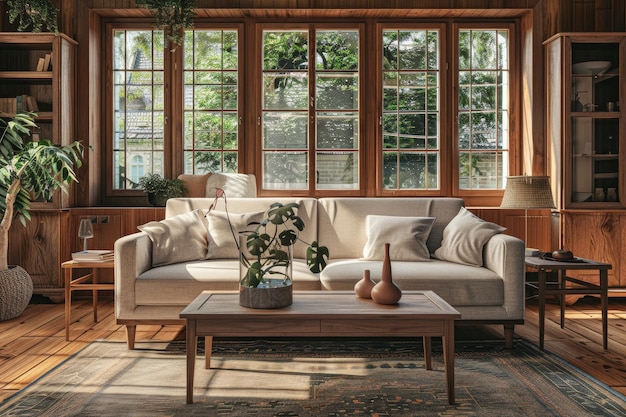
point(73, 284)
point(326, 313)
point(559, 288)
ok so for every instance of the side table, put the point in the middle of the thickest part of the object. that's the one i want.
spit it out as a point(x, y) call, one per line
point(559, 287)
point(73, 284)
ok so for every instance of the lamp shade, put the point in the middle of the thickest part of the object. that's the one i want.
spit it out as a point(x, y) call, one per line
point(527, 192)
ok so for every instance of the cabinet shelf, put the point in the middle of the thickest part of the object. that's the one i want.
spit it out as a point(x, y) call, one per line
point(25, 75)
point(606, 175)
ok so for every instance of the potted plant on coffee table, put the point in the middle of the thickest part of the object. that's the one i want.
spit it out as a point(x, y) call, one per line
point(266, 259)
point(28, 171)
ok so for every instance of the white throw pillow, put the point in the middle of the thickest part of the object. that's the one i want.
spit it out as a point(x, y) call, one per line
point(406, 237)
point(221, 244)
point(177, 239)
point(464, 238)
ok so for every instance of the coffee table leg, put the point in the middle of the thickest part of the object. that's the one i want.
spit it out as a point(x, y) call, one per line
point(427, 352)
point(192, 347)
point(448, 358)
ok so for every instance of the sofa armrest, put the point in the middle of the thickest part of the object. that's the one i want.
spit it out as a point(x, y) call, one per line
point(504, 255)
point(133, 256)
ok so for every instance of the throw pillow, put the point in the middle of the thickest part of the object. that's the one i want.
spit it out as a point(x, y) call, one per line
point(406, 235)
point(221, 244)
point(464, 238)
point(177, 239)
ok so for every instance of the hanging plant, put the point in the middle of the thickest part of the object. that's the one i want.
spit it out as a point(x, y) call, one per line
point(172, 16)
point(33, 15)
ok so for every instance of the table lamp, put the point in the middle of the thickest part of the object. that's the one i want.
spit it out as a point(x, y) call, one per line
point(527, 192)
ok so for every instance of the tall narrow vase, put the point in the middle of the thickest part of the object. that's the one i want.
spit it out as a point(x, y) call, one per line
point(386, 291)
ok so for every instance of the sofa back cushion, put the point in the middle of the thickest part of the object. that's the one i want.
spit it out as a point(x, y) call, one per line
point(342, 220)
point(307, 211)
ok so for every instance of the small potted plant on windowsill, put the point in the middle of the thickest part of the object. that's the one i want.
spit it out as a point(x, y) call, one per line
point(161, 189)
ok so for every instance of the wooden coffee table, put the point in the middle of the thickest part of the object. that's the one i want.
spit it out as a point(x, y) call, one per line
point(322, 313)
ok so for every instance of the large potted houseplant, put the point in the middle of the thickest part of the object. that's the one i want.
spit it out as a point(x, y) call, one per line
point(266, 257)
point(161, 189)
point(28, 171)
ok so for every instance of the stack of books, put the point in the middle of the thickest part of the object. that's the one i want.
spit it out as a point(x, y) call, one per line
point(93, 255)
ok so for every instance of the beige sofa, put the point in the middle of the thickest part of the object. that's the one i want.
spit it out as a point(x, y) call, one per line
point(491, 291)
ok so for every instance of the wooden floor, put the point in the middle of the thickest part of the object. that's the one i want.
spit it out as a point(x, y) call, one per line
point(35, 342)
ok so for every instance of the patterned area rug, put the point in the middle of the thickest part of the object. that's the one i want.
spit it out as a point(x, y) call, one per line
point(314, 377)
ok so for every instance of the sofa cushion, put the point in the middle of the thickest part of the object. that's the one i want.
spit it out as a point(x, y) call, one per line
point(464, 238)
point(156, 286)
point(406, 235)
point(341, 220)
point(177, 239)
point(221, 242)
point(458, 284)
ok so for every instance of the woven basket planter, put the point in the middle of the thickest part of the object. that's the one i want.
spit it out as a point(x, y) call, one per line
point(16, 290)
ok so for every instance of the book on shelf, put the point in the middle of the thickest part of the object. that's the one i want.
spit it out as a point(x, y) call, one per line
point(46, 64)
point(40, 64)
point(93, 255)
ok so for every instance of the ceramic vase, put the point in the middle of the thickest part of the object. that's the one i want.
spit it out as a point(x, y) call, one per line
point(386, 291)
point(363, 288)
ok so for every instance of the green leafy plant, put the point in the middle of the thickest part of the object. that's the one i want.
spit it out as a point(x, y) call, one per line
point(29, 171)
point(269, 242)
point(172, 16)
point(161, 189)
point(33, 14)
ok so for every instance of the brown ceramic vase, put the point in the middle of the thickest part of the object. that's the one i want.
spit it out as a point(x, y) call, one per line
point(386, 291)
point(363, 288)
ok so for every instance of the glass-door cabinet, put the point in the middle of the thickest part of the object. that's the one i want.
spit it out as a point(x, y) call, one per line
point(585, 127)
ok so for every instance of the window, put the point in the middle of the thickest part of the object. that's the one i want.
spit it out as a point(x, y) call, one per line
point(143, 141)
point(138, 105)
point(310, 112)
point(328, 109)
point(483, 108)
point(211, 119)
point(410, 109)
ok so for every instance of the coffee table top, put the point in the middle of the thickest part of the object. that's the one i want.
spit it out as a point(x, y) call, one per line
point(323, 304)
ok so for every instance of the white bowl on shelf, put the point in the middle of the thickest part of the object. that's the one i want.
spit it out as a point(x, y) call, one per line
point(591, 67)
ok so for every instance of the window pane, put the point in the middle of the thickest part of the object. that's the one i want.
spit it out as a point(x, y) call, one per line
point(299, 99)
point(336, 87)
point(337, 170)
point(482, 108)
point(211, 101)
point(285, 170)
point(138, 102)
point(411, 101)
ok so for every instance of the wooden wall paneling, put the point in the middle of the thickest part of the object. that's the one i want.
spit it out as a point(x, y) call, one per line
point(596, 236)
point(40, 247)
